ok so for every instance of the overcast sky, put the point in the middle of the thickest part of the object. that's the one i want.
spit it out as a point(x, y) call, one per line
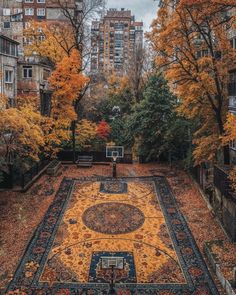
point(144, 10)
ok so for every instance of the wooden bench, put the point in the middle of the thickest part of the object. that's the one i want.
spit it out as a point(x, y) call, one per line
point(84, 161)
point(53, 167)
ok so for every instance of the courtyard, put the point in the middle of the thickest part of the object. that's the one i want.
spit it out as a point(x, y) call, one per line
point(90, 219)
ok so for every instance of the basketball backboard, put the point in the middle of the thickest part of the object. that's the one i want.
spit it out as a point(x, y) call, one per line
point(114, 152)
point(109, 262)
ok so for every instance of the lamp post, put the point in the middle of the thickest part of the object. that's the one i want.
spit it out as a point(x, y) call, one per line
point(41, 91)
point(73, 128)
point(9, 157)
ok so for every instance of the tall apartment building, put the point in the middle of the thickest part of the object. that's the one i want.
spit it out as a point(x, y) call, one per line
point(114, 39)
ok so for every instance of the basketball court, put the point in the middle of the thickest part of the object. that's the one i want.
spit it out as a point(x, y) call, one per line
point(101, 232)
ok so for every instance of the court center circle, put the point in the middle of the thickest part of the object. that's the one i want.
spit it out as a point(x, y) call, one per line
point(113, 218)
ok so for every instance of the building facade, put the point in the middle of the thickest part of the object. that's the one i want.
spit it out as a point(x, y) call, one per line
point(32, 72)
point(232, 94)
point(114, 39)
point(8, 68)
point(11, 21)
point(15, 15)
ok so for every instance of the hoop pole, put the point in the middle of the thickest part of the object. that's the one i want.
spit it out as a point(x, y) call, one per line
point(114, 169)
point(112, 284)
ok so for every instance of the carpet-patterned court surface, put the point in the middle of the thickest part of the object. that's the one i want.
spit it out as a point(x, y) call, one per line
point(131, 223)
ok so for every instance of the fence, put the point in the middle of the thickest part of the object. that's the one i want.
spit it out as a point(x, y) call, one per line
point(195, 172)
point(67, 156)
point(17, 178)
point(32, 172)
point(222, 183)
point(5, 180)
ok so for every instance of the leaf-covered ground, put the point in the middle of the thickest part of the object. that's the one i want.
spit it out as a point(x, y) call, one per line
point(20, 213)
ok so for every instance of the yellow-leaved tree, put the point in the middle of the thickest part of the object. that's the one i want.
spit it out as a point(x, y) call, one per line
point(117, 84)
point(67, 81)
point(85, 133)
point(21, 135)
point(194, 52)
point(53, 40)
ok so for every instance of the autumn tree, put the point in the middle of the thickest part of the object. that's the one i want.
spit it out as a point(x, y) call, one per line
point(54, 40)
point(49, 40)
point(59, 38)
point(193, 50)
point(85, 133)
point(21, 135)
point(79, 20)
point(103, 130)
point(67, 80)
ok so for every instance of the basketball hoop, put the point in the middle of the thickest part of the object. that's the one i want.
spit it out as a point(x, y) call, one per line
point(114, 152)
point(112, 264)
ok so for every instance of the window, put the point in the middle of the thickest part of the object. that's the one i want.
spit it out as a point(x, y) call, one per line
point(232, 84)
point(17, 17)
point(233, 144)
point(13, 50)
point(6, 25)
point(29, 11)
point(41, 11)
point(46, 74)
point(202, 53)
point(6, 11)
point(29, 1)
point(27, 72)
point(40, 1)
point(233, 42)
point(8, 76)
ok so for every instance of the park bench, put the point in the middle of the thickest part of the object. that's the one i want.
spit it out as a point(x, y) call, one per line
point(53, 167)
point(84, 161)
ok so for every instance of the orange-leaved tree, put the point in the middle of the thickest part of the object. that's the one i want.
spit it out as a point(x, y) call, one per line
point(67, 81)
point(117, 84)
point(103, 130)
point(53, 40)
point(193, 49)
point(21, 134)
